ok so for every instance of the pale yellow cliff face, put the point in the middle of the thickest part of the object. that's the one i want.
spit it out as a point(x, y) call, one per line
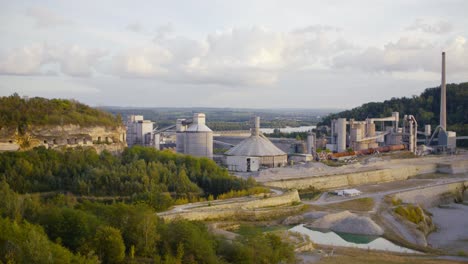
point(99, 137)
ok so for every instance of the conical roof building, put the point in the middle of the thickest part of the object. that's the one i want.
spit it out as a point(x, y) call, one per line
point(257, 145)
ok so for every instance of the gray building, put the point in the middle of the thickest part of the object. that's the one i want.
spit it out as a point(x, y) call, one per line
point(193, 137)
point(256, 146)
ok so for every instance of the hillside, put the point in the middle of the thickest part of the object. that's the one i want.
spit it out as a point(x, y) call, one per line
point(425, 107)
point(17, 112)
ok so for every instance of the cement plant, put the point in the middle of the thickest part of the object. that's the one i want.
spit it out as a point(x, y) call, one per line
point(382, 186)
point(360, 177)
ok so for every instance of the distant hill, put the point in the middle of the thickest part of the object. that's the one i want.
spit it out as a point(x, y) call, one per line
point(17, 112)
point(425, 107)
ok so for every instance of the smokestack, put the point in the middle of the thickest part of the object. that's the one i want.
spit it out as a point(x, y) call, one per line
point(443, 100)
point(255, 126)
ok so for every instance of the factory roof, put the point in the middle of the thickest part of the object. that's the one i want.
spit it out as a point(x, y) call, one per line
point(198, 128)
point(255, 146)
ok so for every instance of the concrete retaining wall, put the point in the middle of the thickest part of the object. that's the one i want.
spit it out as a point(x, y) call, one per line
point(251, 210)
point(357, 178)
point(370, 177)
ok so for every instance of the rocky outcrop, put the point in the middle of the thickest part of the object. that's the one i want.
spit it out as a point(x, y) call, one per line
point(99, 137)
point(293, 220)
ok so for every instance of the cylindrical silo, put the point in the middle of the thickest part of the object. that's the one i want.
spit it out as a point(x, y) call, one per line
point(156, 141)
point(311, 143)
point(199, 138)
point(370, 129)
point(341, 138)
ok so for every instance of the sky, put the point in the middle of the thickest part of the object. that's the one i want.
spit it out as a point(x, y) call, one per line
point(241, 54)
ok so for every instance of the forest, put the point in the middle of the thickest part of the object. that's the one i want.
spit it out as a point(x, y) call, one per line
point(60, 229)
point(18, 112)
point(51, 209)
point(425, 107)
point(159, 178)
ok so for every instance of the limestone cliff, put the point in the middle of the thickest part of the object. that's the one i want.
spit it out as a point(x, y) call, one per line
point(56, 136)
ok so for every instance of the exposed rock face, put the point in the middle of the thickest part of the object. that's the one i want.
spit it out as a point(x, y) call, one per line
point(293, 220)
point(348, 222)
point(99, 137)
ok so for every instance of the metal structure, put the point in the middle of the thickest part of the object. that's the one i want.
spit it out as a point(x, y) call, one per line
point(363, 134)
point(446, 140)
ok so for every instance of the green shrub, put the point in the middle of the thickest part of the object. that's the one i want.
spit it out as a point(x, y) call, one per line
point(411, 213)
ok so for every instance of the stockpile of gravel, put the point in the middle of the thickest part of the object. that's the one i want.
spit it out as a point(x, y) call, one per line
point(347, 222)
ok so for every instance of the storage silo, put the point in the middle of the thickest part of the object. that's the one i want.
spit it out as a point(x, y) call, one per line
point(341, 138)
point(199, 138)
point(311, 148)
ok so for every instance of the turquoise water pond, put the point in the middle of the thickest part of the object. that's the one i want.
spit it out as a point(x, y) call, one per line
point(350, 240)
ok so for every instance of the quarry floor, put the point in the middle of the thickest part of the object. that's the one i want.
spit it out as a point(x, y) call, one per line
point(366, 163)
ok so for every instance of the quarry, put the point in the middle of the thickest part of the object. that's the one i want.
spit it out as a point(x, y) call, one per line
point(374, 189)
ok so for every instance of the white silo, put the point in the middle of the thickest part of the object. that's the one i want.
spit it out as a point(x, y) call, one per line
point(341, 138)
point(199, 138)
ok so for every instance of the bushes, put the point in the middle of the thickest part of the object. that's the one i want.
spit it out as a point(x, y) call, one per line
point(411, 213)
point(27, 243)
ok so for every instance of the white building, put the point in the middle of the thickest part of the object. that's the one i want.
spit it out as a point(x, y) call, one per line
point(242, 163)
point(139, 131)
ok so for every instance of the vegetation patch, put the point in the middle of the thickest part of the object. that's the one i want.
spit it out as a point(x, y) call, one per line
point(411, 213)
point(310, 193)
point(361, 204)
point(157, 178)
point(19, 113)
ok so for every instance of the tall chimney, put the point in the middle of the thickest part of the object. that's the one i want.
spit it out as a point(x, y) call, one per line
point(443, 100)
point(255, 126)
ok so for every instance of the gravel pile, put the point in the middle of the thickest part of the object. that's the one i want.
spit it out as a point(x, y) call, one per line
point(348, 222)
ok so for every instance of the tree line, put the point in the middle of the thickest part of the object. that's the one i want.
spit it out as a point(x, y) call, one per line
point(17, 112)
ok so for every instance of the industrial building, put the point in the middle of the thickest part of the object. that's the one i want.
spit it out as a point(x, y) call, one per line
point(352, 135)
point(139, 131)
point(256, 148)
point(193, 137)
point(447, 140)
point(361, 135)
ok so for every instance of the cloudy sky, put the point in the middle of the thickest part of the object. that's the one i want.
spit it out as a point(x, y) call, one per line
point(262, 54)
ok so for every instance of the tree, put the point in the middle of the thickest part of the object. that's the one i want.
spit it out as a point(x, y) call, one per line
point(109, 245)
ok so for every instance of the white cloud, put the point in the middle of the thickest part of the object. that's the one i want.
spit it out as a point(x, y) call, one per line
point(146, 62)
point(408, 54)
point(135, 27)
point(72, 60)
point(22, 61)
point(46, 18)
point(234, 57)
point(435, 27)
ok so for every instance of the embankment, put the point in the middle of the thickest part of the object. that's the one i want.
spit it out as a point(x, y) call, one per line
point(244, 209)
point(369, 176)
point(434, 195)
